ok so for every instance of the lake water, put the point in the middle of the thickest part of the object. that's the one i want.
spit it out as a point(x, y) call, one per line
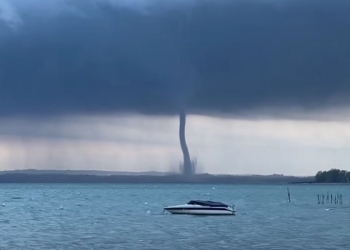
point(106, 216)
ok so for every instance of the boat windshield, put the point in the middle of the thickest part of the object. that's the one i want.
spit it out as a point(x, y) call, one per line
point(207, 203)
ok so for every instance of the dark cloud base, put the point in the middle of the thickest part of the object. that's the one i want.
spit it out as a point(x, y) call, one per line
point(213, 57)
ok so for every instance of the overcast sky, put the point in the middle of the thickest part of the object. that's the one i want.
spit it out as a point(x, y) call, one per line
point(98, 84)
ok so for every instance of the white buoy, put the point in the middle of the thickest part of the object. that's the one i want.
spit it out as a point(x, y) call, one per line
point(146, 203)
point(148, 211)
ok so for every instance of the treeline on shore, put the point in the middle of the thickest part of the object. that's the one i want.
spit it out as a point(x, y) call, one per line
point(333, 176)
point(174, 178)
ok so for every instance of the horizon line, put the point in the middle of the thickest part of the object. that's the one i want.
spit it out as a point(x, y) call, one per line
point(146, 172)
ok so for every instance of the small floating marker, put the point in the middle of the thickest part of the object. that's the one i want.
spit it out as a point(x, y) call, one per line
point(3, 205)
point(148, 211)
point(288, 195)
point(213, 188)
point(146, 203)
point(61, 208)
point(329, 198)
point(341, 199)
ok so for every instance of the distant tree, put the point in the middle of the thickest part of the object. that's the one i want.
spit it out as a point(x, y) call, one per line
point(342, 176)
point(332, 176)
point(321, 176)
point(348, 177)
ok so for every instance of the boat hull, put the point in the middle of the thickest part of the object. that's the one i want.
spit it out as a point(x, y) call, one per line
point(200, 210)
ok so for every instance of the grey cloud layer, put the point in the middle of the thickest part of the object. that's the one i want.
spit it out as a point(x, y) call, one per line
point(207, 56)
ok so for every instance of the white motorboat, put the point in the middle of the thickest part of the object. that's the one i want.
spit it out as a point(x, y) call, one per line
point(198, 207)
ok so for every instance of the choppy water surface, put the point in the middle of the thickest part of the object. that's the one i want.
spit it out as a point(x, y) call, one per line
point(115, 217)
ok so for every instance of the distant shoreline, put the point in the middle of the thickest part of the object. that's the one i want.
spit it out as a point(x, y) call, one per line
point(38, 176)
point(322, 183)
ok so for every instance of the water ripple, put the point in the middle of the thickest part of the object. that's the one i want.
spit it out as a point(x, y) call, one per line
point(115, 217)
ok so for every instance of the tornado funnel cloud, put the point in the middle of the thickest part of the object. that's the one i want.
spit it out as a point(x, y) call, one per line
point(187, 167)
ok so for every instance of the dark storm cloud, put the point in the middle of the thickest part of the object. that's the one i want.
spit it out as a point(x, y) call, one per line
point(210, 57)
